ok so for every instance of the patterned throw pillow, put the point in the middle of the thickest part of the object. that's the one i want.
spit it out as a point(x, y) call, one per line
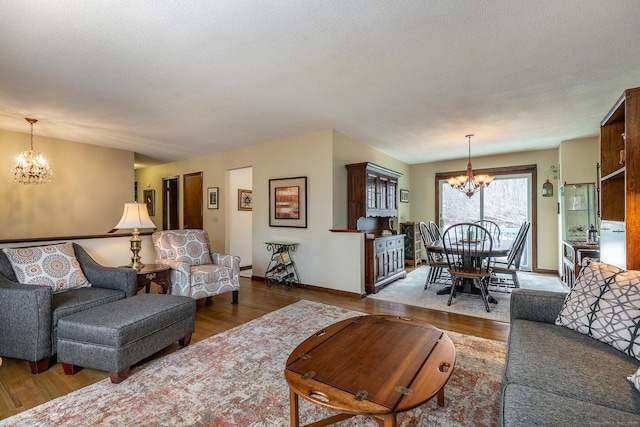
point(192, 248)
point(635, 379)
point(605, 304)
point(55, 266)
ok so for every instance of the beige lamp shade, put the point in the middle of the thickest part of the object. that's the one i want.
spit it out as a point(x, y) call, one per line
point(135, 216)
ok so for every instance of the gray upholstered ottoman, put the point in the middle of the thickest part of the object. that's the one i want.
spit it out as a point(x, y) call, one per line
point(114, 336)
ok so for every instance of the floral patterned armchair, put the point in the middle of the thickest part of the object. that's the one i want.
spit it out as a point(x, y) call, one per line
point(195, 271)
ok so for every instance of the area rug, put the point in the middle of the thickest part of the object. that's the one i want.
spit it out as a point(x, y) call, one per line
point(411, 291)
point(236, 378)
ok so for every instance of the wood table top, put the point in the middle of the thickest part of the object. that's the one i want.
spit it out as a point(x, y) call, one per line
point(372, 365)
point(500, 247)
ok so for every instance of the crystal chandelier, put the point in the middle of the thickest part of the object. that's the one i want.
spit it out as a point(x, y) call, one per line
point(470, 184)
point(31, 168)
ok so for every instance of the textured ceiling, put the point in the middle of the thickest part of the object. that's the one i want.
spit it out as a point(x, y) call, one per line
point(172, 80)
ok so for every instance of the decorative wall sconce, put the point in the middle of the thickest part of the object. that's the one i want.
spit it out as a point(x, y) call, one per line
point(547, 187)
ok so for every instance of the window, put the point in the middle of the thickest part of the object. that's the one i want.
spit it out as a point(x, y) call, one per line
point(508, 201)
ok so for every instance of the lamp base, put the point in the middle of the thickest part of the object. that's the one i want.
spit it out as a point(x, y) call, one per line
point(136, 265)
point(136, 247)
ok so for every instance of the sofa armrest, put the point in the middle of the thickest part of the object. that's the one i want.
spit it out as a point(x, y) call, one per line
point(117, 278)
point(25, 320)
point(538, 306)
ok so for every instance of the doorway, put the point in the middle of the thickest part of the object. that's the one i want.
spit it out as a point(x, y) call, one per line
point(192, 209)
point(240, 221)
point(170, 218)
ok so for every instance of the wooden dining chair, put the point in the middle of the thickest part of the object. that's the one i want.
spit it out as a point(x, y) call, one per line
point(468, 248)
point(511, 265)
point(435, 231)
point(492, 227)
point(436, 262)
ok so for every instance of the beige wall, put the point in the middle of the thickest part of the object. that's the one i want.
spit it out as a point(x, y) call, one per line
point(305, 155)
point(577, 160)
point(86, 196)
point(324, 258)
point(423, 195)
point(239, 232)
point(348, 150)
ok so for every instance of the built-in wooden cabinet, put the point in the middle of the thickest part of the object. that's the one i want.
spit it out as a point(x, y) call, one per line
point(384, 261)
point(620, 182)
point(372, 192)
point(412, 243)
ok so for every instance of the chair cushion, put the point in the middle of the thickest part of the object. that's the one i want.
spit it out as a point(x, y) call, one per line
point(54, 265)
point(605, 304)
point(77, 300)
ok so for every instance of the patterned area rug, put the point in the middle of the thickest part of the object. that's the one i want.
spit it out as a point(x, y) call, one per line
point(236, 379)
point(411, 291)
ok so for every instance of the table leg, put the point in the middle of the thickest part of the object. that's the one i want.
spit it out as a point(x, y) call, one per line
point(293, 403)
point(387, 420)
point(440, 397)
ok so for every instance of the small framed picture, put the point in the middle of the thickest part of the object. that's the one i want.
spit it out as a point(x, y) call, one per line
point(212, 198)
point(245, 200)
point(404, 196)
point(150, 200)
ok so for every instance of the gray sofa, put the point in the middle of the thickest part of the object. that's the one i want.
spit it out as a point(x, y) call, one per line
point(555, 376)
point(29, 314)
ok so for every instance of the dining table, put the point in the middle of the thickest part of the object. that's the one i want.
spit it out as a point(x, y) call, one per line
point(500, 249)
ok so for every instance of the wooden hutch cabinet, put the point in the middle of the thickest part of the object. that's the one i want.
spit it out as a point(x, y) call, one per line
point(620, 182)
point(372, 191)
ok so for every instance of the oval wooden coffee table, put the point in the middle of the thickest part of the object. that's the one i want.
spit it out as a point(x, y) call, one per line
point(370, 365)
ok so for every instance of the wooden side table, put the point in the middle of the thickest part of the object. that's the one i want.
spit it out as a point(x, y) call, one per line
point(156, 273)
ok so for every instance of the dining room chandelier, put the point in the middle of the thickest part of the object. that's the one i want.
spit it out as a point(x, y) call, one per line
point(469, 184)
point(31, 167)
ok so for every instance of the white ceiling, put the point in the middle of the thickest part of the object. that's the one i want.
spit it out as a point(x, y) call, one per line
point(173, 79)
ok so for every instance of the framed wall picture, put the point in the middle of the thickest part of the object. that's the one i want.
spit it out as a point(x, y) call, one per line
point(288, 202)
point(212, 198)
point(150, 200)
point(404, 196)
point(245, 200)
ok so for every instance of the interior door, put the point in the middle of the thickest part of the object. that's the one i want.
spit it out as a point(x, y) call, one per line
point(170, 218)
point(193, 202)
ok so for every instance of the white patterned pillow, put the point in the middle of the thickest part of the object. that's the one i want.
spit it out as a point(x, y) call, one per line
point(605, 304)
point(55, 266)
point(635, 379)
point(192, 248)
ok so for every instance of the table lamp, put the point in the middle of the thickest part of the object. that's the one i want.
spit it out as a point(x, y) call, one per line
point(135, 216)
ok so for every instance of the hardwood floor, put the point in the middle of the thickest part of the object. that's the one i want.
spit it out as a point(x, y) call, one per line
point(21, 390)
